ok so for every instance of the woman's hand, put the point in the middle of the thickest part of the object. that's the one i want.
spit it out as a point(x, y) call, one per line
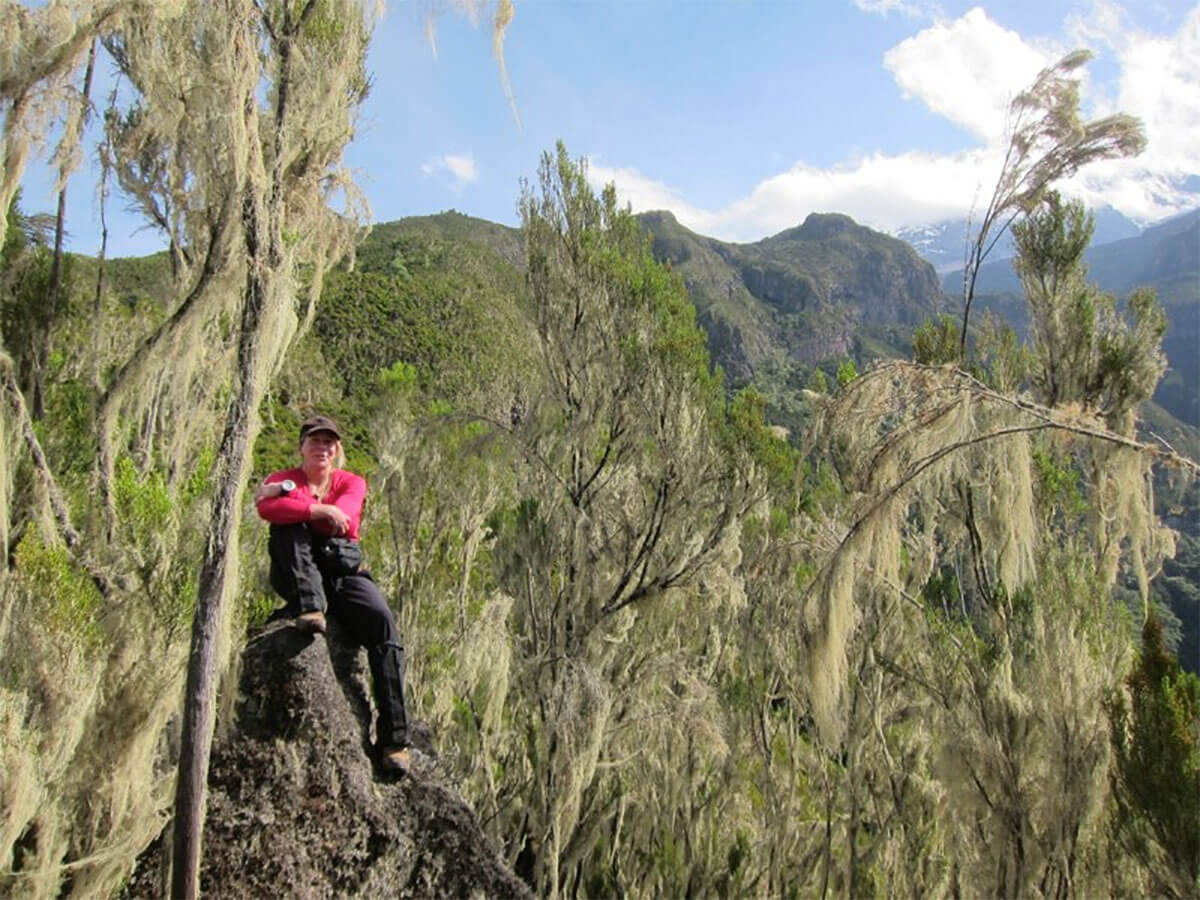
point(267, 491)
point(337, 520)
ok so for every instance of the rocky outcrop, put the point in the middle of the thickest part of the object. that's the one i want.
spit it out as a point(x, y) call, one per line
point(295, 808)
point(877, 278)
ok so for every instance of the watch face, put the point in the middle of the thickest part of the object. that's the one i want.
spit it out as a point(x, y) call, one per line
point(287, 485)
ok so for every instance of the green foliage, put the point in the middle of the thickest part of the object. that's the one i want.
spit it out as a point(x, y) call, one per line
point(750, 434)
point(421, 243)
point(1156, 739)
point(1085, 352)
point(1060, 486)
point(450, 310)
point(28, 307)
point(155, 520)
point(943, 592)
point(72, 602)
point(820, 489)
point(369, 321)
point(935, 342)
point(1001, 360)
point(72, 439)
point(1131, 361)
point(846, 372)
point(143, 500)
point(400, 378)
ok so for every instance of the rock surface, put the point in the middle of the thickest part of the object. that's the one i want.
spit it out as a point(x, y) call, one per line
point(295, 808)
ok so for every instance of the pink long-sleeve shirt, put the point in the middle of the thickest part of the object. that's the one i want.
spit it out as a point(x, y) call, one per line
point(346, 491)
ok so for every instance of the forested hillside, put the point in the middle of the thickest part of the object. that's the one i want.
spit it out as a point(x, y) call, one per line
point(903, 646)
point(824, 292)
point(604, 592)
point(784, 314)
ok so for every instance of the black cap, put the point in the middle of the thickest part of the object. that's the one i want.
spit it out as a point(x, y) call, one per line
point(318, 423)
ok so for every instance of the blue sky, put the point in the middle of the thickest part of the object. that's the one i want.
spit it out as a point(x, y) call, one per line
point(743, 116)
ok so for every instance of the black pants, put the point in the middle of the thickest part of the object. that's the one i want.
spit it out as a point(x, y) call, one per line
point(355, 601)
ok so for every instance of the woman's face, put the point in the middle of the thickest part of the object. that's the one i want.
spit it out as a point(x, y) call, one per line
point(318, 451)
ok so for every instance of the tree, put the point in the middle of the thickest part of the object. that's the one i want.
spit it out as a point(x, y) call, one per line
point(302, 80)
point(971, 588)
point(44, 48)
point(229, 141)
point(626, 500)
point(296, 77)
point(1084, 351)
point(1156, 773)
point(1047, 140)
point(29, 301)
point(48, 45)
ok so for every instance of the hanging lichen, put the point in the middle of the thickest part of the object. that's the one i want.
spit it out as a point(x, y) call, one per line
point(938, 461)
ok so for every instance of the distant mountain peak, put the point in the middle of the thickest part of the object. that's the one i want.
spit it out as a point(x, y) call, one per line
point(822, 226)
point(800, 297)
point(664, 216)
point(817, 227)
point(944, 243)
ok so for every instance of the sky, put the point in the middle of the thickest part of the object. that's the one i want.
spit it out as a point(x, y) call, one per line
point(743, 116)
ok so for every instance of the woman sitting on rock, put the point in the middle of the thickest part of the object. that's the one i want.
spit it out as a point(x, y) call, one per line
point(314, 511)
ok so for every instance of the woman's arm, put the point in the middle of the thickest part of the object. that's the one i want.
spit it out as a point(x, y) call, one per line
point(348, 493)
point(283, 509)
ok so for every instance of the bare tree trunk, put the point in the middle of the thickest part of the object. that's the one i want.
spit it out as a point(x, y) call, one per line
point(827, 852)
point(108, 509)
point(200, 697)
point(264, 201)
point(101, 274)
point(261, 229)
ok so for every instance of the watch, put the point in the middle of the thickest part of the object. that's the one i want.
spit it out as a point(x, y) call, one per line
point(286, 487)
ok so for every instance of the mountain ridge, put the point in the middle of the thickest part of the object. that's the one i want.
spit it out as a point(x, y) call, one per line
point(774, 309)
point(943, 243)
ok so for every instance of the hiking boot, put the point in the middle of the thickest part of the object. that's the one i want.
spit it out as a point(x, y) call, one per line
point(312, 622)
point(395, 760)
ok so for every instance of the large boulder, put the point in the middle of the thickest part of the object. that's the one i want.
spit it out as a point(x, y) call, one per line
point(296, 809)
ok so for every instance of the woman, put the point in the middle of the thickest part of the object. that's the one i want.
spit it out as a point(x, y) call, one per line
point(315, 511)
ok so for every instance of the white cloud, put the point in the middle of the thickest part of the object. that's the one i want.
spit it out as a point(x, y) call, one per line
point(967, 71)
point(884, 192)
point(1159, 82)
point(460, 167)
point(643, 193)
